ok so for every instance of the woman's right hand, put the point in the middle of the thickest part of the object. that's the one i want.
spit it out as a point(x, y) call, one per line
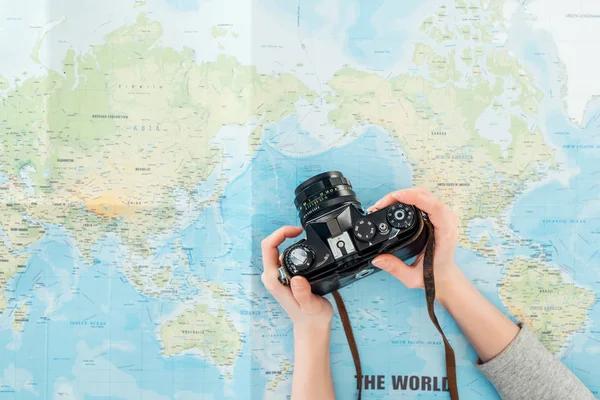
point(445, 224)
point(306, 309)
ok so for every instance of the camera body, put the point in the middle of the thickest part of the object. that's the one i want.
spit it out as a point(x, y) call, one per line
point(342, 239)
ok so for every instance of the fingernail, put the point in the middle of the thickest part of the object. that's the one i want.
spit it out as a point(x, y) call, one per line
point(379, 263)
point(296, 284)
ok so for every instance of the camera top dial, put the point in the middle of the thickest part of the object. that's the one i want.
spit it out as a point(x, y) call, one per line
point(364, 230)
point(299, 258)
point(400, 216)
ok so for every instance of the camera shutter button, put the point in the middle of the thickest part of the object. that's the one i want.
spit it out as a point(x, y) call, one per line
point(384, 229)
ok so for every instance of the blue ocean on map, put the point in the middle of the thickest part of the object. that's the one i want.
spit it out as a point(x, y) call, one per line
point(376, 37)
point(185, 5)
point(391, 318)
point(92, 332)
point(117, 325)
point(566, 219)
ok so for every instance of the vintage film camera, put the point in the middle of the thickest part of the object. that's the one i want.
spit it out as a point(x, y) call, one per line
point(342, 239)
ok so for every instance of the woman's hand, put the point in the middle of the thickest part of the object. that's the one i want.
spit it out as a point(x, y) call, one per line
point(311, 315)
point(486, 328)
point(306, 309)
point(445, 224)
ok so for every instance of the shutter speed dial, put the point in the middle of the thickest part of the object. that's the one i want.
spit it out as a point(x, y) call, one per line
point(400, 216)
point(299, 258)
point(364, 230)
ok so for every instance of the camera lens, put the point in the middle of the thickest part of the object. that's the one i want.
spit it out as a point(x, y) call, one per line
point(322, 194)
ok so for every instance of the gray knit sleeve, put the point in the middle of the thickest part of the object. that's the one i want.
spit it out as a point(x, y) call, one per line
point(527, 370)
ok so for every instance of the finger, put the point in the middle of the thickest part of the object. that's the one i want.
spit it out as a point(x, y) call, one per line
point(308, 301)
point(438, 212)
point(280, 292)
point(271, 263)
point(410, 276)
point(389, 198)
point(443, 219)
point(283, 294)
point(418, 261)
point(270, 253)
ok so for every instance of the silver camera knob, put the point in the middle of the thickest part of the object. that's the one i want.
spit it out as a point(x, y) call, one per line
point(299, 258)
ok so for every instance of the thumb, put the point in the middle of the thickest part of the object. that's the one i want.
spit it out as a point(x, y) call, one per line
point(408, 275)
point(309, 302)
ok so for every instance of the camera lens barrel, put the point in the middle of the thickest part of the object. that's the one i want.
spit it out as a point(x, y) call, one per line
point(322, 194)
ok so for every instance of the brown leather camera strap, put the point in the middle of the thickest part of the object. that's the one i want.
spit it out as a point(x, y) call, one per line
point(339, 302)
point(429, 281)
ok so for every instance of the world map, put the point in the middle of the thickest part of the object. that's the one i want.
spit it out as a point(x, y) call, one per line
point(147, 147)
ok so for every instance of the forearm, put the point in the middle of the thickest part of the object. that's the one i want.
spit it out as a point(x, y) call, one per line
point(312, 372)
point(511, 357)
point(488, 330)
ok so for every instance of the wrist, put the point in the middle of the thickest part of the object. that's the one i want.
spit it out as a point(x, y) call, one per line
point(312, 330)
point(448, 283)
